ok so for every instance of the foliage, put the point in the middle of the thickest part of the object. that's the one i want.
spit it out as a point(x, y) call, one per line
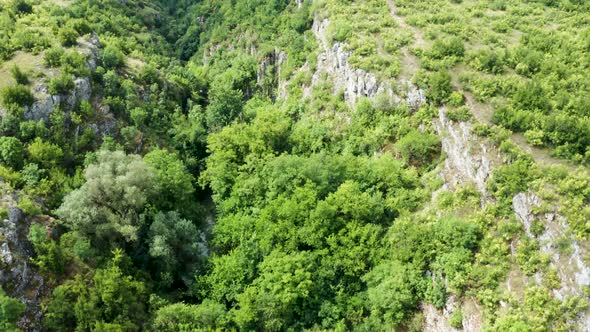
point(11, 311)
point(11, 152)
point(16, 95)
point(108, 207)
point(61, 85)
point(175, 248)
point(19, 76)
point(110, 300)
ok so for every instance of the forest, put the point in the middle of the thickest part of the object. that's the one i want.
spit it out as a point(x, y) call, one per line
point(307, 165)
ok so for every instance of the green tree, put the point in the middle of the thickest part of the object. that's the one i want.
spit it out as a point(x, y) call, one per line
point(175, 248)
point(62, 84)
point(439, 87)
point(19, 76)
point(392, 293)
point(67, 36)
point(111, 300)
point(175, 182)
point(180, 317)
point(11, 152)
point(112, 57)
point(11, 311)
point(108, 207)
point(45, 153)
point(419, 148)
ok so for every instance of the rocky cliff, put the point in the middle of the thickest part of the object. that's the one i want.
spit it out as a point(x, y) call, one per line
point(355, 83)
point(18, 276)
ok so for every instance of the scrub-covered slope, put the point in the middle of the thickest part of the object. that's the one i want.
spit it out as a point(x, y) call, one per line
point(294, 165)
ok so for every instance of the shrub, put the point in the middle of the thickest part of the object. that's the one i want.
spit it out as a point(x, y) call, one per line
point(418, 148)
point(28, 207)
point(112, 57)
point(440, 87)
point(11, 152)
point(61, 85)
point(340, 31)
point(52, 56)
point(448, 47)
point(456, 99)
point(21, 7)
point(19, 76)
point(456, 319)
point(68, 36)
point(18, 95)
point(459, 114)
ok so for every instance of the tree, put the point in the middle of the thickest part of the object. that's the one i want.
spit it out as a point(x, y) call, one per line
point(207, 316)
point(45, 153)
point(21, 7)
point(108, 207)
point(52, 56)
point(112, 57)
point(225, 104)
point(392, 292)
point(440, 88)
point(418, 148)
point(11, 311)
point(174, 246)
point(283, 295)
point(175, 182)
point(62, 84)
point(111, 300)
point(11, 152)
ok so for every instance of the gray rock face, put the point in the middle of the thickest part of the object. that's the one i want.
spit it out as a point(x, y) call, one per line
point(18, 277)
point(571, 268)
point(468, 160)
point(354, 82)
point(45, 103)
point(269, 73)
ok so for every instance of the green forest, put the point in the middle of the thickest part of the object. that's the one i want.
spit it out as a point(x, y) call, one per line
point(306, 165)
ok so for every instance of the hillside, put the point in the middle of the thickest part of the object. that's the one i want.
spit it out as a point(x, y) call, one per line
point(307, 165)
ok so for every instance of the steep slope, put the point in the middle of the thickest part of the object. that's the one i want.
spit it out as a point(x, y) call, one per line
point(294, 165)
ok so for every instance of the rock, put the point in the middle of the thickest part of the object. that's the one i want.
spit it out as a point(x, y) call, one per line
point(523, 205)
point(468, 160)
point(354, 82)
point(45, 103)
point(270, 68)
point(5, 254)
point(573, 271)
point(25, 283)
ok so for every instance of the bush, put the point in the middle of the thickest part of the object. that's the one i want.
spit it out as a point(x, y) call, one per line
point(459, 114)
point(456, 99)
point(28, 207)
point(112, 57)
point(456, 319)
point(18, 95)
point(61, 85)
point(52, 56)
point(68, 36)
point(340, 31)
point(440, 87)
point(19, 76)
point(448, 47)
point(488, 61)
point(418, 148)
point(11, 152)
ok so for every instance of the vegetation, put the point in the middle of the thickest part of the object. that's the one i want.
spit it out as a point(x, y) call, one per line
point(212, 178)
